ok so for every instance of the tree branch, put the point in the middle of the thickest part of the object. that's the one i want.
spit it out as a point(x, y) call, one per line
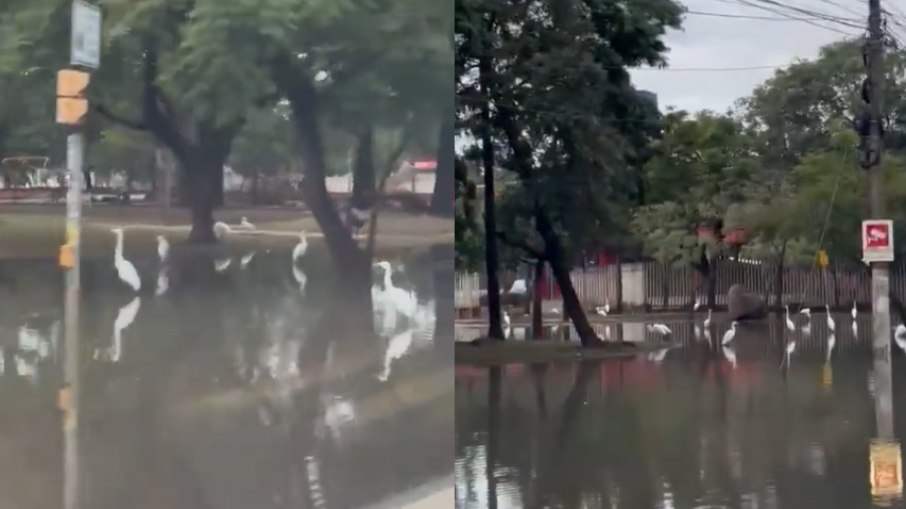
point(531, 250)
point(120, 119)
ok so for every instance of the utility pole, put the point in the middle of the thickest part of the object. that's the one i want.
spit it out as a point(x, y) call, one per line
point(72, 109)
point(872, 148)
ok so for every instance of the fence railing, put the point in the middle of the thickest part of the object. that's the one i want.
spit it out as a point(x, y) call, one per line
point(656, 286)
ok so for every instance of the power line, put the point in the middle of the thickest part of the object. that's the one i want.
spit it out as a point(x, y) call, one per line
point(750, 16)
point(808, 19)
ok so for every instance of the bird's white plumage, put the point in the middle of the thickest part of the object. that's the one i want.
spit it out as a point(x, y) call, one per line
point(124, 268)
point(831, 326)
point(707, 321)
point(246, 259)
point(729, 354)
point(301, 248)
point(789, 323)
point(246, 224)
point(730, 334)
point(660, 329)
point(854, 311)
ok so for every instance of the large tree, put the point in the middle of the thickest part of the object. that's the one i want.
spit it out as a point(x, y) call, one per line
point(563, 105)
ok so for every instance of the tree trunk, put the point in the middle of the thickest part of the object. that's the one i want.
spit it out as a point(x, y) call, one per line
point(537, 282)
point(364, 182)
point(348, 258)
point(442, 203)
point(201, 195)
point(778, 281)
point(557, 260)
point(495, 330)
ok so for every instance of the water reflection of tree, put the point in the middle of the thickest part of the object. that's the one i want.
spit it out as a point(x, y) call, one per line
point(718, 443)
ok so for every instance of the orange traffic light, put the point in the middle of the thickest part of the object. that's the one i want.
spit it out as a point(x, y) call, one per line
point(72, 83)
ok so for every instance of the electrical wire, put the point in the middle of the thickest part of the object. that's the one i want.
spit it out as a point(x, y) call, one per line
point(772, 7)
point(749, 16)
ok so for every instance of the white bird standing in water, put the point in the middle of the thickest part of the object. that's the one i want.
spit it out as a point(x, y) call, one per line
point(707, 322)
point(698, 304)
point(831, 326)
point(221, 229)
point(163, 249)
point(730, 334)
point(789, 323)
point(831, 342)
point(124, 268)
point(506, 318)
point(400, 300)
point(855, 311)
point(807, 312)
point(246, 224)
point(660, 328)
point(600, 311)
point(301, 248)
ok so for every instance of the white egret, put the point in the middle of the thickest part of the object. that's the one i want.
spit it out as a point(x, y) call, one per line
point(660, 328)
point(246, 224)
point(607, 306)
point(707, 322)
point(397, 298)
point(730, 334)
point(789, 323)
point(555, 311)
point(854, 311)
point(163, 249)
point(807, 312)
point(223, 264)
point(124, 268)
point(396, 348)
point(246, 260)
point(729, 354)
point(600, 311)
point(221, 229)
point(506, 318)
point(831, 326)
point(163, 282)
point(124, 318)
point(301, 247)
point(698, 304)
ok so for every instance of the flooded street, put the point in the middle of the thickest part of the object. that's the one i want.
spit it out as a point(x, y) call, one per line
point(225, 387)
point(693, 427)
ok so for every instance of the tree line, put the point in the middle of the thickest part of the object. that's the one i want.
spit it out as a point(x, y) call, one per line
point(584, 162)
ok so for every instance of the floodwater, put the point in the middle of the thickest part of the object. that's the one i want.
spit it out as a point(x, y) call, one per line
point(230, 389)
point(691, 427)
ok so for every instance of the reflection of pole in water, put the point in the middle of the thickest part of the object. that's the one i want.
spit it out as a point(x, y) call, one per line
point(493, 433)
point(883, 392)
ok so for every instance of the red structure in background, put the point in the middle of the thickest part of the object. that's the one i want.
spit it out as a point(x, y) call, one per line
point(549, 288)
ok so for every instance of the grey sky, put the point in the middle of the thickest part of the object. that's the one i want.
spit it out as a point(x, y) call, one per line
point(715, 42)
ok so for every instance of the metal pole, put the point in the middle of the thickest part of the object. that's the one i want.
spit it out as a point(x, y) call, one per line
point(880, 272)
point(75, 144)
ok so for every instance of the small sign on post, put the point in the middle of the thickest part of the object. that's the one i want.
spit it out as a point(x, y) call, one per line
point(85, 42)
point(886, 469)
point(877, 240)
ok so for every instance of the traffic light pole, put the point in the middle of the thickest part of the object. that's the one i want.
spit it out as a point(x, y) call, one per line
point(75, 150)
point(880, 272)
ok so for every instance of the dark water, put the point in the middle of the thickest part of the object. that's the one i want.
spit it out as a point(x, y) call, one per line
point(230, 390)
point(694, 428)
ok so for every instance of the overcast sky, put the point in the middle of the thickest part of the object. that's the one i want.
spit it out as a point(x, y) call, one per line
point(717, 42)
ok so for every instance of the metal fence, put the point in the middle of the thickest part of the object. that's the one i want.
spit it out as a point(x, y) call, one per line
point(663, 287)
